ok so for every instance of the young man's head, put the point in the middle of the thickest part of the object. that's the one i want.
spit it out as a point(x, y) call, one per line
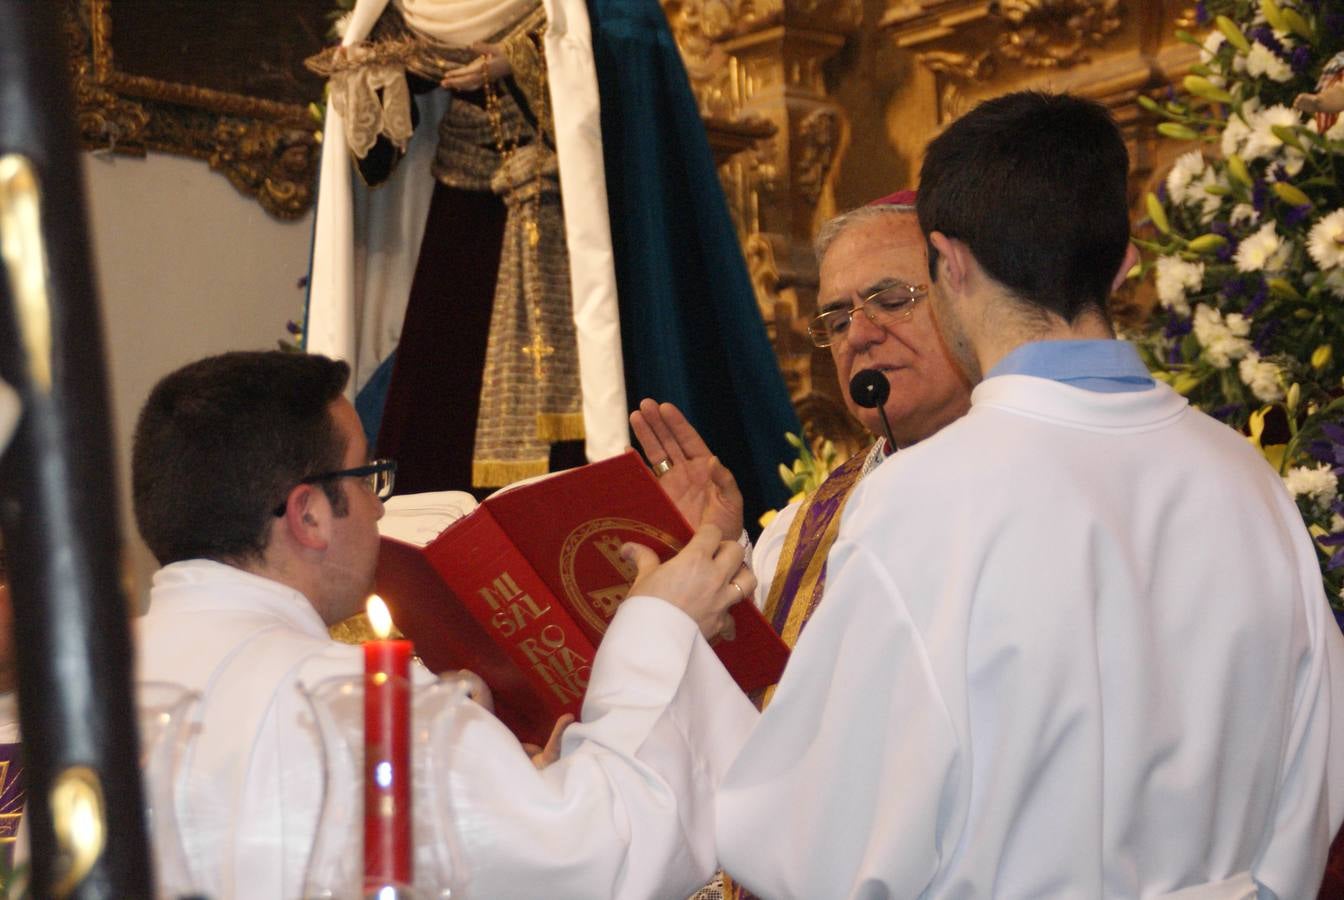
point(1033, 186)
point(218, 467)
point(879, 248)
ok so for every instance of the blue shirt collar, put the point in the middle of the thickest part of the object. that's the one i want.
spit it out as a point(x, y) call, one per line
point(1107, 366)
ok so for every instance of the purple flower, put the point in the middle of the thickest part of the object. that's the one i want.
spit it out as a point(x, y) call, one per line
point(1221, 228)
point(1263, 34)
point(1264, 334)
point(1177, 326)
point(1259, 195)
point(1296, 215)
point(1329, 449)
point(1202, 13)
point(1257, 299)
point(1233, 287)
point(1301, 59)
point(1227, 251)
point(1228, 411)
point(293, 327)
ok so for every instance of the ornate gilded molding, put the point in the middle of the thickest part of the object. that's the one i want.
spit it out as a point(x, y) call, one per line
point(267, 149)
point(819, 136)
point(1055, 34)
point(968, 43)
point(763, 61)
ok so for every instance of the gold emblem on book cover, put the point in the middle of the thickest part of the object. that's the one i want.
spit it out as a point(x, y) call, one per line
point(595, 577)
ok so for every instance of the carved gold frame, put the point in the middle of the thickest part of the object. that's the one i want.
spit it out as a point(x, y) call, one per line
point(267, 149)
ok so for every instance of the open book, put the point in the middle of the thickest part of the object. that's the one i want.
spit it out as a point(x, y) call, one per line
point(520, 589)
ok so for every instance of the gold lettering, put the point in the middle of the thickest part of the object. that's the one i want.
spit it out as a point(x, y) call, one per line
point(513, 609)
point(505, 588)
point(564, 670)
point(529, 646)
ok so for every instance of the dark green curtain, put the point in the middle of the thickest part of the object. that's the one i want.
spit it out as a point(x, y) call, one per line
point(690, 328)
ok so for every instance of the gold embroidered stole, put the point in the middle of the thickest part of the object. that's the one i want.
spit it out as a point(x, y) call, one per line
point(800, 574)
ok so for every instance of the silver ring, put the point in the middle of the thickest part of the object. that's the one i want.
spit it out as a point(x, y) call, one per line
point(662, 467)
point(741, 594)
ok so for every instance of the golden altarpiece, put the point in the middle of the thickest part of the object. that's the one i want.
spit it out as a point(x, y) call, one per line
point(811, 106)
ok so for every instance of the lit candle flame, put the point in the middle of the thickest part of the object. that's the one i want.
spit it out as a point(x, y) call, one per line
point(379, 617)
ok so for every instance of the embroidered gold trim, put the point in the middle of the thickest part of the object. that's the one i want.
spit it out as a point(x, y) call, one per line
point(498, 472)
point(552, 427)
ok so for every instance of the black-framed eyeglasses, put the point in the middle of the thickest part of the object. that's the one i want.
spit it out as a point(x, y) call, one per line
point(885, 306)
point(379, 475)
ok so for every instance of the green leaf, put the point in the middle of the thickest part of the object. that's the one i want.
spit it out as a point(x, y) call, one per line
point(1283, 288)
point(1236, 168)
point(1296, 24)
point(1291, 195)
point(1177, 131)
point(1273, 15)
point(1233, 34)
point(1202, 87)
point(1190, 347)
point(1156, 212)
point(1287, 134)
point(1185, 382)
point(1206, 243)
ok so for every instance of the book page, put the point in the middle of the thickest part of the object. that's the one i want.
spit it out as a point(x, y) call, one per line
point(418, 519)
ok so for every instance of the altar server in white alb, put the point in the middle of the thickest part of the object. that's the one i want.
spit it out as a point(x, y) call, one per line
point(1076, 643)
point(254, 489)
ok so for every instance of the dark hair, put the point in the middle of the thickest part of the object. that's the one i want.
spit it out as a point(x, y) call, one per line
point(220, 443)
point(1034, 185)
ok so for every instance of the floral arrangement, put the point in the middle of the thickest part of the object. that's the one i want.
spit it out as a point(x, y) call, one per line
point(1248, 255)
point(813, 465)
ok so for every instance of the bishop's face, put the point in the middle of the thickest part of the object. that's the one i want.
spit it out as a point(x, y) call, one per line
point(927, 391)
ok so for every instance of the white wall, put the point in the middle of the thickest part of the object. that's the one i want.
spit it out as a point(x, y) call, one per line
point(187, 267)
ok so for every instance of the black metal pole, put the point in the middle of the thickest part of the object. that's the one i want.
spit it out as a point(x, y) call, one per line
point(58, 504)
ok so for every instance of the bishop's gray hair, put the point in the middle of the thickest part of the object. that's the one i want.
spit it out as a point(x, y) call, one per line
point(832, 228)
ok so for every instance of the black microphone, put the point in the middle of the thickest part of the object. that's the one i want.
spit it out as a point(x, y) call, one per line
point(870, 389)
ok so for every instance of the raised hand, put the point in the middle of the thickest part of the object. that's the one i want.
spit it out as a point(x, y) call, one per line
point(692, 477)
point(704, 580)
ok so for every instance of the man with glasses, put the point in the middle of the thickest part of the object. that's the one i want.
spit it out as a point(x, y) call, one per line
point(873, 314)
point(253, 488)
point(1074, 645)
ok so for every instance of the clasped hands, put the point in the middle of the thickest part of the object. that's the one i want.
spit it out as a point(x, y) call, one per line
point(491, 65)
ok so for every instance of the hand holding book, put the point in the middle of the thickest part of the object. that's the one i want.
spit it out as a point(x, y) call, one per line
point(703, 580)
point(521, 588)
